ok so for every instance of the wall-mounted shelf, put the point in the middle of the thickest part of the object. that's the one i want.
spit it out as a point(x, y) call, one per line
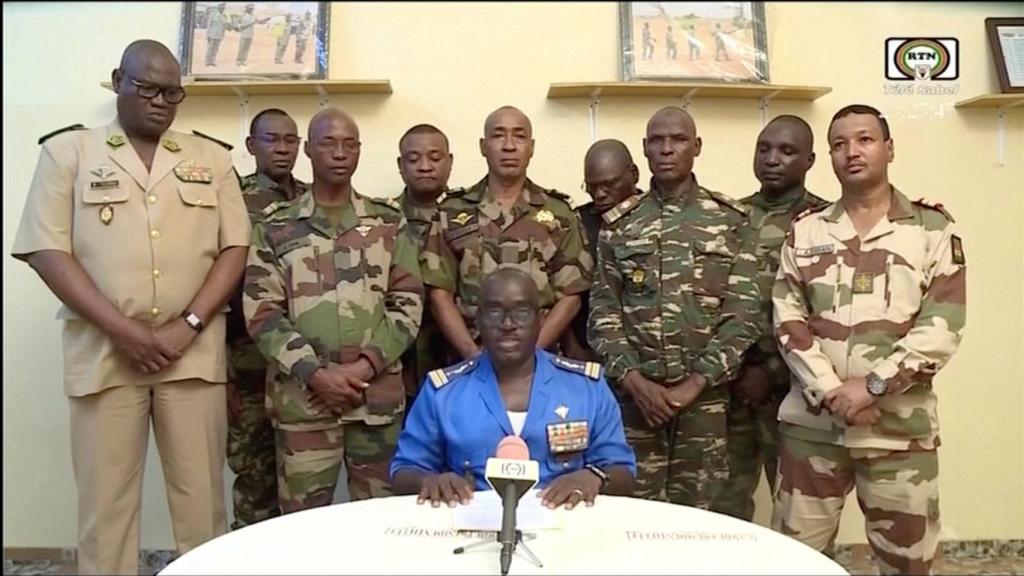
point(686, 91)
point(1001, 103)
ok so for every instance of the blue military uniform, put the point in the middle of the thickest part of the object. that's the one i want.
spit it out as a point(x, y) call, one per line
point(459, 417)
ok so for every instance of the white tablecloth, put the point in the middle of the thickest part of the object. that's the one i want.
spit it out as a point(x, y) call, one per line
point(397, 536)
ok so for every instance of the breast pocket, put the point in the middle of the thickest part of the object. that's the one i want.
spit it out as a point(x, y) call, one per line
point(102, 203)
point(712, 261)
point(198, 194)
point(303, 261)
point(639, 266)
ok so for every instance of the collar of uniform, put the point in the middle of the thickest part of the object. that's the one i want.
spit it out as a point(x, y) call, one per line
point(899, 208)
point(265, 183)
point(532, 193)
point(786, 201)
point(487, 385)
point(686, 198)
point(408, 200)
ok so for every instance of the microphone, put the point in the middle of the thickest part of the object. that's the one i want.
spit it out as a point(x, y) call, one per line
point(511, 474)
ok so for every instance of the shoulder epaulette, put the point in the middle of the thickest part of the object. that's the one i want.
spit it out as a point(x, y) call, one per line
point(817, 200)
point(274, 206)
point(453, 193)
point(227, 146)
point(811, 210)
point(560, 195)
point(591, 370)
point(442, 376)
point(934, 206)
point(729, 201)
point(46, 137)
point(621, 209)
point(389, 202)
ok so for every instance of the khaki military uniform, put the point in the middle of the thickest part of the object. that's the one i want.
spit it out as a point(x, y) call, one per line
point(891, 303)
point(147, 240)
point(473, 235)
point(676, 294)
point(753, 430)
point(317, 294)
point(251, 436)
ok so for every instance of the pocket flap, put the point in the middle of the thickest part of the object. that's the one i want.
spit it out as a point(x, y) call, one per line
point(714, 247)
point(197, 194)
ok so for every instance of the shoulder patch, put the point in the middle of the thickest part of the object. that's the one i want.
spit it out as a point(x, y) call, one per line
point(591, 370)
point(729, 201)
point(46, 137)
point(811, 210)
point(442, 376)
point(226, 146)
point(934, 206)
point(621, 209)
point(388, 202)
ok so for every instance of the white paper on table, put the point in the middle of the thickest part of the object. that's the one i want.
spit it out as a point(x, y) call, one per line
point(484, 513)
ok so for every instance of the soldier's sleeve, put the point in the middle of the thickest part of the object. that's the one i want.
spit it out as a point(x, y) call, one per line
point(741, 321)
point(801, 351)
point(235, 227)
point(939, 325)
point(265, 304)
point(608, 446)
point(421, 445)
point(605, 329)
point(572, 267)
point(403, 305)
point(437, 261)
point(47, 218)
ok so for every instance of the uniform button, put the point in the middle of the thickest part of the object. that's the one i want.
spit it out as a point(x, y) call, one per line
point(151, 199)
point(156, 273)
point(155, 311)
point(199, 202)
point(155, 234)
point(106, 198)
point(466, 464)
point(565, 464)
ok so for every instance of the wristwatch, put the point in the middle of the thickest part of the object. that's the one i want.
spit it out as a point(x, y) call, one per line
point(600, 474)
point(877, 386)
point(192, 320)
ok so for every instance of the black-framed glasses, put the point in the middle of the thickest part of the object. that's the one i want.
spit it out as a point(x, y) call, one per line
point(496, 316)
point(172, 94)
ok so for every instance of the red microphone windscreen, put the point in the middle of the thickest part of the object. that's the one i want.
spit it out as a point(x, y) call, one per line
point(512, 448)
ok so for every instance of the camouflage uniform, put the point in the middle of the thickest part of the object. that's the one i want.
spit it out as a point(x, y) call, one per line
point(429, 351)
point(893, 304)
point(472, 236)
point(316, 295)
point(251, 437)
point(675, 294)
point(753, 430)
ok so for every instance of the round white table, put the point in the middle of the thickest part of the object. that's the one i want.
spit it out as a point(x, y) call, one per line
point(397, 536)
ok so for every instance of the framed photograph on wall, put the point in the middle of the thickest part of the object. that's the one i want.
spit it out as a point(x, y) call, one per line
point(1006, 36)
point(707, 41)
point(254, 40)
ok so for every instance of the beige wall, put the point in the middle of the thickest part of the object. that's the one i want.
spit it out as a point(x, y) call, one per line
point(450, 65)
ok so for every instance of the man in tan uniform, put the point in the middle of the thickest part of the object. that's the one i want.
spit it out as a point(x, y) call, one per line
point(142, 233)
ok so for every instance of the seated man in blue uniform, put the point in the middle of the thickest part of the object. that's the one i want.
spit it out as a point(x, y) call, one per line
point(563, 409)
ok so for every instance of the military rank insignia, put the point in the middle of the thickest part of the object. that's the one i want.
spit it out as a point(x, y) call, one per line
point(107, 214)
point(566, 437)
point(116, 140)
point(863, 283)
point(171, 145)
point(461, 219)
point(192, 173)
point(958, 250)
point(638, 276)
point(545, 216)
point(363, 230)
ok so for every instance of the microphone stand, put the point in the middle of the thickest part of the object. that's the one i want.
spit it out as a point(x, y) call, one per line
point(520, 542)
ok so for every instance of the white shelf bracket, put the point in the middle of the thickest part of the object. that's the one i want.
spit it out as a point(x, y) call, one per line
point(243, 111)
point(762, 105)
point(595, 103)
point(324, 98)
point(1001, 131)
point(687, 100)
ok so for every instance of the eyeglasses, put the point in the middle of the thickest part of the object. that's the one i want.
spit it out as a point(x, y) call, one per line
point(497, 316)
point(274, 139)
point(172, 94)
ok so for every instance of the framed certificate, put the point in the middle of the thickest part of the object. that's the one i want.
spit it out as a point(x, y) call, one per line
point(1006, 35)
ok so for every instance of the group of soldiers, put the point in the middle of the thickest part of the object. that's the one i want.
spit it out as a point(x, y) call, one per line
point(778, 332)
point(217, 23)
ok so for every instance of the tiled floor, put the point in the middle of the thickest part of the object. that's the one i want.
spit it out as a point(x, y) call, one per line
point(956, 559)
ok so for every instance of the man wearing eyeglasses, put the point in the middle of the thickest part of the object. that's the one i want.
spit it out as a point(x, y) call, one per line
point(561, 408)
point(142, 233)
point(332, 298)
point(274, 143)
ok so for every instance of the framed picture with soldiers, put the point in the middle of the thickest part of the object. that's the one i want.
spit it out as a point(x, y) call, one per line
point(254, 40)
point(674, 41)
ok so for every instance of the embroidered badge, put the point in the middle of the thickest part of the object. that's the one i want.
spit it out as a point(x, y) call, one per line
point(545, 216)
point(106, 214)
point(116, 140)
point(462, 218)
point(863, 283)
point(562, 411)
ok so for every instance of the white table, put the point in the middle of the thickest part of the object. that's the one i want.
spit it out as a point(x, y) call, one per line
point(397, 536)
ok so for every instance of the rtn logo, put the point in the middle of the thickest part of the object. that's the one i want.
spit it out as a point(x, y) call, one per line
point(922, 59)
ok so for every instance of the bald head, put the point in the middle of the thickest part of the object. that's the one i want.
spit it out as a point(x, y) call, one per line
point(612, 153)
point(609, 173)
point(671, 145)
point(140, 53)
point(148, 86)
point(504, 113)
point(333, 149)
point(797, 125)
point(513, 279)
point(783, 155)
point(327, 117)
point(674, 115)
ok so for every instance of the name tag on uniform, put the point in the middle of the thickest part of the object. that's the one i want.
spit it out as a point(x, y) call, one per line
point(104, 184)
point(566, 437)
point(816, 250)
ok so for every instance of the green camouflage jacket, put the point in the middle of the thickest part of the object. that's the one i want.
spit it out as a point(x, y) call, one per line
point(892, 303)
point(315, 295)
point(676, 288)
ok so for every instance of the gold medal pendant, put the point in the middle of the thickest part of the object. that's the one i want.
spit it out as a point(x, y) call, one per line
point(106, 214)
